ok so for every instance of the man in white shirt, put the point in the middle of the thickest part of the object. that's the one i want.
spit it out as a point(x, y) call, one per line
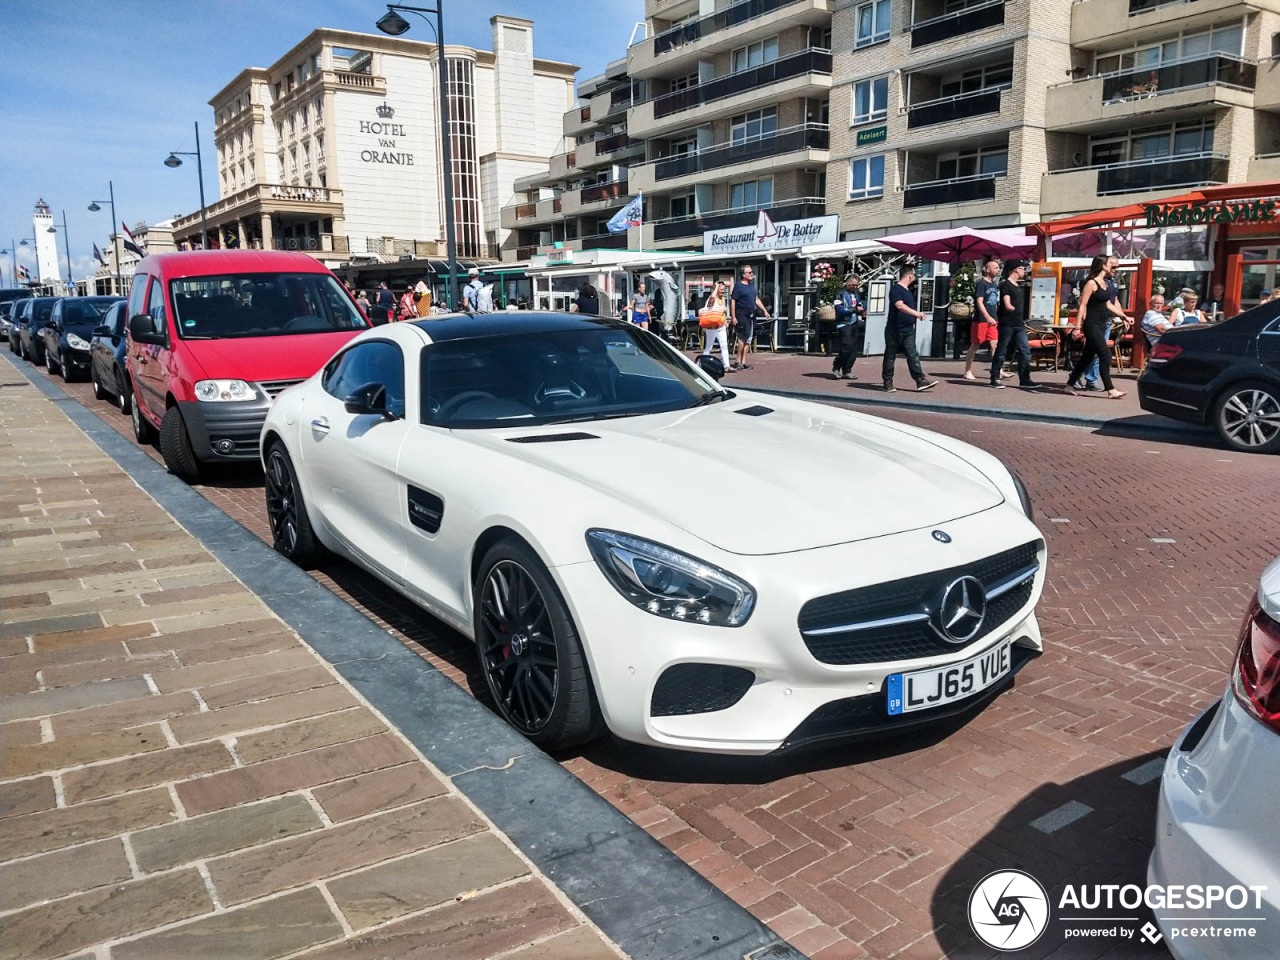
point(1154, 322)
point(471, 292)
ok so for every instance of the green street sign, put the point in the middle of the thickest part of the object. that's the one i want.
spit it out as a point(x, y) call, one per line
point(874, 135)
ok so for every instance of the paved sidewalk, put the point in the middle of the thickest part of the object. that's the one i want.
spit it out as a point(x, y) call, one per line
point(183, 777)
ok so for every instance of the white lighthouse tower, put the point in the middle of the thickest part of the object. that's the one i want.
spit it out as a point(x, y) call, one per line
point(46, 244)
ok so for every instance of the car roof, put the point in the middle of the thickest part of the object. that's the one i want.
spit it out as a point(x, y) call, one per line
point(464, 326)
point(203, 263)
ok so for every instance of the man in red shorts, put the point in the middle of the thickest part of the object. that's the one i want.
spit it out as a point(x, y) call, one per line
point(984, 328)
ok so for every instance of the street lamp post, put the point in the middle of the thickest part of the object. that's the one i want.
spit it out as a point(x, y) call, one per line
point(172, 161)
point(66, 240)
point(13, 257)
point(393, 24)
point(115, 233)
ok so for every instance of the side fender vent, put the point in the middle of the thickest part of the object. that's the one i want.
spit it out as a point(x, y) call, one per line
point(756, 411)
point(552, 437)
point(426, 510)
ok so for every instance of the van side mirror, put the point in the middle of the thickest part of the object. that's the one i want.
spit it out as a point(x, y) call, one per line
point(371, 398)
point(143, 330)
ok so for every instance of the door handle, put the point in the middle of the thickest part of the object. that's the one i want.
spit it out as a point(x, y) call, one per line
point(320, 425)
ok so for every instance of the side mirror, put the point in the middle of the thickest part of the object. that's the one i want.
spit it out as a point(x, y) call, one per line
point(142, 329)
point(371, 398)
point(101, 331)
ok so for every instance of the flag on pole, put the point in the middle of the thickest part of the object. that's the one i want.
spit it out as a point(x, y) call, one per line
point(23, 273)
point(233, 240)
point(131, 244)
point(97, 255)
point(632, 215)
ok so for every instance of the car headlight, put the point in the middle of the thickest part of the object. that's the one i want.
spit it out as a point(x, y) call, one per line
point(215, 391)
point(77, 343)
point(668, 583)
point(1023, 496)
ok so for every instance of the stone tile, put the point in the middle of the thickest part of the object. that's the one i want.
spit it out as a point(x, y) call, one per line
point(137, 773)
point(582, 943)
point(471, 929)
point(19, 797)
point(265, 930)
point(148, 709)
point(67, 826)
point(68, 675)
point(58, 928)
point(219, 833)
point(206, 674)
point(220, 587)
point(18, 678)
point(391, 890)
point(21, 733)
point(211, 641)
point(48, 702)
point(380, 790)
point(64, 872)
point(354, 724)
point(265, 713)
point(244, 690)
point(243, 606)
point(324, 853)
point(76, 750)
point(34, 628)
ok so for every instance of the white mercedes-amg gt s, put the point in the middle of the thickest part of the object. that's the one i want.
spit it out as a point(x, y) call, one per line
point(634, 547)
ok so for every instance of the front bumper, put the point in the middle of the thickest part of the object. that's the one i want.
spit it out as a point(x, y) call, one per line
point(76, 361)
point(225, 431)
point(1215, 825)
point(790, 697)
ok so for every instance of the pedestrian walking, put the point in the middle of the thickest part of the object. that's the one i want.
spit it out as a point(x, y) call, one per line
point(851, 316)
point(588, 301)
point(985, 328)
point(640, 307)
point(386, 299)
point(362, 302)
point(711, 318)
point(408, 310)
point(1012, 328)
point(471, 292)
point(1099, 302)
point(744, 304)
point(900, 332)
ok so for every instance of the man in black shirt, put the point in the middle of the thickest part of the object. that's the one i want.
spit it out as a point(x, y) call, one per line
point(900, 332)
point(1013, 329)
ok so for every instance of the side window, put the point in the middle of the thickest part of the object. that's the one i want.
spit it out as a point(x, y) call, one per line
point(374, 362)
point(137, 295)
point(55, 315)
point(121, 319)
point(155, 307)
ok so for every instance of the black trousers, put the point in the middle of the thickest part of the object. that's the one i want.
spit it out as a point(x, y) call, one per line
point(1015, 335)
point(848, 348)
point(1095, 345)
point(901, 339)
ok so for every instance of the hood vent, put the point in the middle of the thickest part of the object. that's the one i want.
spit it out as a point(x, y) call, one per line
point(756, 411)
point(553, 437)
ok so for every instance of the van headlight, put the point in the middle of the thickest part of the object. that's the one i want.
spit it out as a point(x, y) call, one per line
point(667, 583)
point(216, 391)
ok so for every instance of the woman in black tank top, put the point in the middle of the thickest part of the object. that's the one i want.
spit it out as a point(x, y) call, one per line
point(1093, 319)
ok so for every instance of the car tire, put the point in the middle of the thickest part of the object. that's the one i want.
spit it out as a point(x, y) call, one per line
point(175, 447)
point(53, 366)
point(99, 391)
point(291, 532)
point(518, 677)
point(143, 431)
point(124, 395)
point(1247, 417)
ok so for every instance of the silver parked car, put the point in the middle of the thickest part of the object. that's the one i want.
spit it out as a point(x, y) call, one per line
point(1216, 824)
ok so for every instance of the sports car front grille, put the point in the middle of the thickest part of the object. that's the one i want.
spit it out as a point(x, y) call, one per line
point(894, 620)
point(272, 388)
point(698, 688)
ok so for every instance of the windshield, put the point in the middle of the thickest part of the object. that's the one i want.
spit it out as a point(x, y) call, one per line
point(261, 305)
point(86, 312)
point(555, 377)
point(41, 310)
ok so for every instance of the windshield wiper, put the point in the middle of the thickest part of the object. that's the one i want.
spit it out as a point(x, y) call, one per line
point(715, 396)
point(585, 417)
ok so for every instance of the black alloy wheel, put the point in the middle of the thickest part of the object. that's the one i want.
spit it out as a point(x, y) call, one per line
point(99, 391)
point(530, 652)
point(1247, 416)
point(291, 530)
point(124, 393)
point(53, 366)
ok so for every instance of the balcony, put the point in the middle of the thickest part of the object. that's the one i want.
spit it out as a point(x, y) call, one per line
point(1093, 188)
point(1108, 24)
point(268, 198)
point(1142, 6)
point(952, 25)
point(695, 30)
point(936, 193)
point(676, 227)
point(613, 143)
point(806, 61)
point(1215, 69)
point(950, 109)
point(326, 242)
point(811, 136)
point(602, 191)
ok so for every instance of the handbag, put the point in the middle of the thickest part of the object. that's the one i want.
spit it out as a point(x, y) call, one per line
point(710, 319)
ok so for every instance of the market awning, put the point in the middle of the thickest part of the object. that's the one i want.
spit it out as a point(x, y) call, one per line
point(958, 244)
point(1085, 221)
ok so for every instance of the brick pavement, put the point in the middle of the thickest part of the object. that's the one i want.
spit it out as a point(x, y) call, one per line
point(871, 850)
point(182, 776)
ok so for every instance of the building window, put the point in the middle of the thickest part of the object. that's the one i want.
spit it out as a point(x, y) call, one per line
point(319, 111)
point(757, 54)
point(866, 177)
point(277, 91)
point(304, 71)
point(460, 92)
point(751, 195)
point(870, 100)
point(754, 125)
point(682, 147)
point(293, 124)
point(1151, 143)
point(986, 161)
point(684, 83)
point(683, 206)
point(871, 23)
point(1227, 39)
point(306, 114)
point(980, 78)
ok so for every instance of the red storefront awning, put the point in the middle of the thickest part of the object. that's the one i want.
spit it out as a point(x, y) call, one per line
point(1086, 221)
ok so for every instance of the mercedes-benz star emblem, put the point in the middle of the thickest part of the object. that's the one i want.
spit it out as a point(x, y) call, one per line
point(963, 608)
point(941, 536)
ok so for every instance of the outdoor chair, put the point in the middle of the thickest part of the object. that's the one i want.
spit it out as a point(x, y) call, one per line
point(1045, 344)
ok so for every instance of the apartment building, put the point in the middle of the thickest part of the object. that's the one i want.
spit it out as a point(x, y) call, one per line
point(335, 148)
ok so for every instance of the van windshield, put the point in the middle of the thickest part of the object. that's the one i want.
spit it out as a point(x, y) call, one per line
point(230, 306)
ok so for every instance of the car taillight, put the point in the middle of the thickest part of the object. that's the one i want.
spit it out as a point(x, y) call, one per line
point(1164, 352)
point(1256, 679)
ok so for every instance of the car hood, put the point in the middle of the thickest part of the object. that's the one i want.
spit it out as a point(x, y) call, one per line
point(291, 357)
point(793, 479)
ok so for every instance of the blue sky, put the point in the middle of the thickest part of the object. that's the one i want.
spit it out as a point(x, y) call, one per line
point(103, 91)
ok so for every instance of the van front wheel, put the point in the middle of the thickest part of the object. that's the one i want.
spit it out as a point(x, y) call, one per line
point(175, 447)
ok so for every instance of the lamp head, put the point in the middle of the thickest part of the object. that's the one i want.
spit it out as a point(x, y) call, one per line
point(52, 230)
point(23, 243)
point(94, 208)
point(172, 161)
point(392, 23)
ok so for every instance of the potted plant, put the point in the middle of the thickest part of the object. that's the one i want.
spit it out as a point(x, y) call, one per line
point(829, 285)
point(963, 281)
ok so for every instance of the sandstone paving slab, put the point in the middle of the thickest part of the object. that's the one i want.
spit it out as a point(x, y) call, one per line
point(64, 872)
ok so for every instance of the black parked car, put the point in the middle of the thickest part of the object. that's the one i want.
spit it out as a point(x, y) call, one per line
point(66, 335)
point(9, 298)
point(31, 322)
point(107, 352)
point(1227, 376)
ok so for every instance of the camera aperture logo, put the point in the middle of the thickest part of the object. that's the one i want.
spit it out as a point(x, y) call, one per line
point(1008, 910)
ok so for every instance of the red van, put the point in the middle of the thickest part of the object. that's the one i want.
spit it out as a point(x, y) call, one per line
point(214, 335)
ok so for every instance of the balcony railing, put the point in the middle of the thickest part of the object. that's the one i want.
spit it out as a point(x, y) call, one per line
point(603, 191)
point(810, 136)
point(949, 109)
point(796, 209)
point(620, 96)
point(604, 241)
point(705, 26)
point(934, 193)
point(1215, 68)
point(525, 253)
point(611, 143)
point(326, 241)
point(526, 210)
point(1162, 173)
point(813, 60)
point(1142, 6)
point(957, 24)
